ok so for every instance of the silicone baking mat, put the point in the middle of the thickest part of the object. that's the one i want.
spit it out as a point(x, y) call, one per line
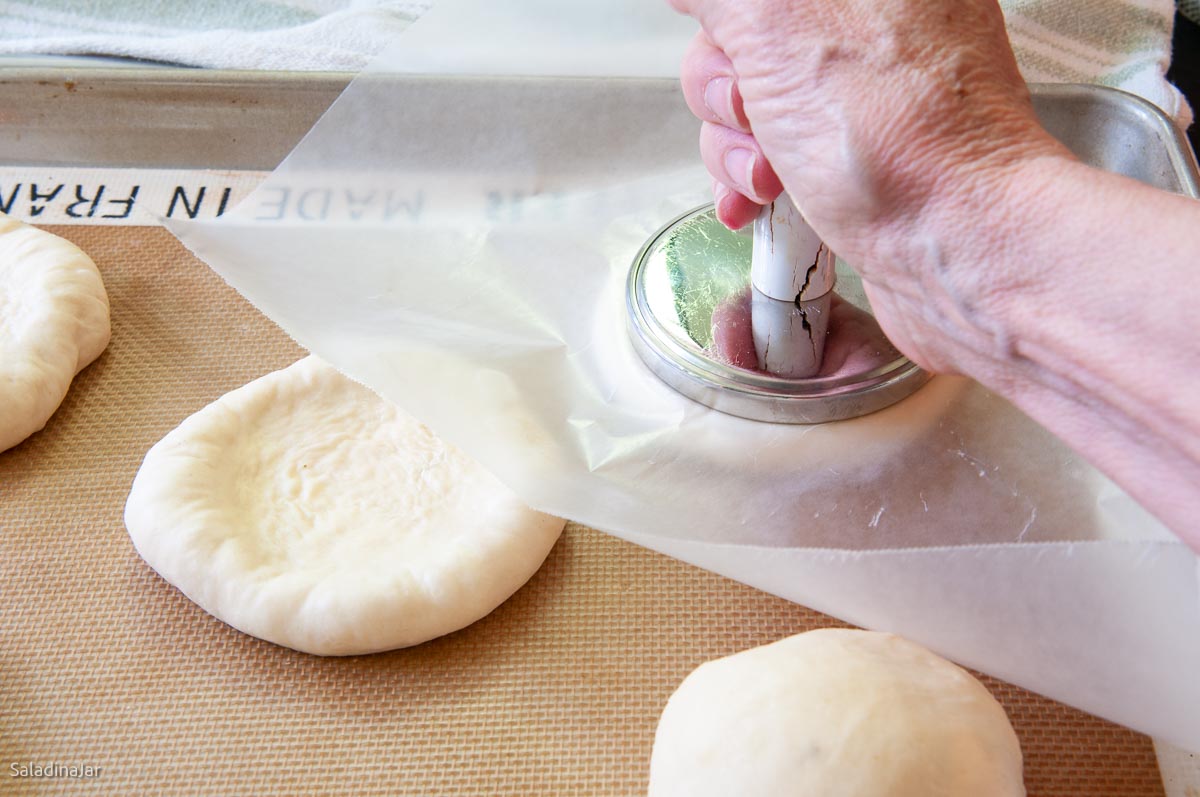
point(104, 665)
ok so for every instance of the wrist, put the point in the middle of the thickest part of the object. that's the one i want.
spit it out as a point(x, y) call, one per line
point(969, 251)
point(1084, 320)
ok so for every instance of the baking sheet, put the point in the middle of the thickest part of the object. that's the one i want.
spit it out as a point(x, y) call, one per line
point(556, 693)
point(494, 312)
point(171, 118)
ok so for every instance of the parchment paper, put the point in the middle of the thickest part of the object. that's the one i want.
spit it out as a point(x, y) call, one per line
point(460, 244)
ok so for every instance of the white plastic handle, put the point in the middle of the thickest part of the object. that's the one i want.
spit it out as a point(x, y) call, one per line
point(793, 274)
point(790, 262)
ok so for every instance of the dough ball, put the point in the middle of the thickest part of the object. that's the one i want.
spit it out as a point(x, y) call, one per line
point(53, 322)
point(835, 713)
point(305, 510)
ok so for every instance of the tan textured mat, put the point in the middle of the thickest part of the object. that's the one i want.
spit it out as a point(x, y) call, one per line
point(557, 692)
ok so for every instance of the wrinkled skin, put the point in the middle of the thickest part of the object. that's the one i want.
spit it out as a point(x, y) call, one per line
point(874, 117)
point(903, 132)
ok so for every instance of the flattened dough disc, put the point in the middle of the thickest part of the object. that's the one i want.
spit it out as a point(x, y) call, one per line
point(305, 510)
point(53, 322)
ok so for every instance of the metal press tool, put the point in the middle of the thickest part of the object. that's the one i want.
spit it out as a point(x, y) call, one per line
point(748, 323)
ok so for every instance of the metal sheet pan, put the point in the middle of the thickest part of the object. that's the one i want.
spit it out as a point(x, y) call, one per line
point(173, 119)
point(176, 118)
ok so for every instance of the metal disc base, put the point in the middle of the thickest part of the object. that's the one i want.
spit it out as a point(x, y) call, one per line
point(696, 322)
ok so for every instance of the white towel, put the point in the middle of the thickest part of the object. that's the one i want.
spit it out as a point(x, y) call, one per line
point(304, 35)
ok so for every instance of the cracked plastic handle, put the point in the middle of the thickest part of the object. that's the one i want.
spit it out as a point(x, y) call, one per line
point(792, 272)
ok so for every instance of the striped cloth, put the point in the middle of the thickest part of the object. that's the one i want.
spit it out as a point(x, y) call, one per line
point(1125, 44)
point(1121, 43)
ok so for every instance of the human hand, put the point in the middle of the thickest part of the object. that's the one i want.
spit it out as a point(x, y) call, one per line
point(889, 125)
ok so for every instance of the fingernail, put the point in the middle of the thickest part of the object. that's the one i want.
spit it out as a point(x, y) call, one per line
point(718, 97)
point(739, 164)
point(720, 194)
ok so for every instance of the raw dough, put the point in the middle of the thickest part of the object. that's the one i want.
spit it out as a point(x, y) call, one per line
point(53, 322)
point(305, 510)
point(835, 713)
